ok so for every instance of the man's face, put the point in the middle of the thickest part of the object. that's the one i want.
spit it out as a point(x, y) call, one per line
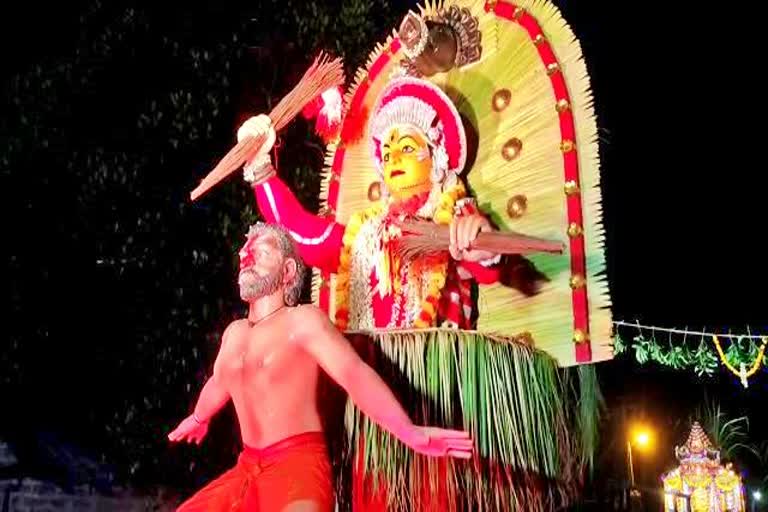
point(407, 162)
point(261, 267)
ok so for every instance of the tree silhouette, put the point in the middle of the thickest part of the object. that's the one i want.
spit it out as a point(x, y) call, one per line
point(120, 286)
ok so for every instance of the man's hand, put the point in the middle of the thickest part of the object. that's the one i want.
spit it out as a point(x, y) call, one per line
point(189, 430)
point(464, 230)
point(439, 442)
point(367, 390)
point(257, 126)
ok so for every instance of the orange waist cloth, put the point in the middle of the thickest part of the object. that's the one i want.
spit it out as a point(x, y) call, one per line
point(293, 470)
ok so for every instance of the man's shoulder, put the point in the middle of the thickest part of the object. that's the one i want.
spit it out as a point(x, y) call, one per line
point(307, 319)
point(237, 324)
point(307, 313)
point(234, 327)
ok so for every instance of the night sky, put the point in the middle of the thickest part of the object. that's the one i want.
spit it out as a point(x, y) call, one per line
point(99, 301)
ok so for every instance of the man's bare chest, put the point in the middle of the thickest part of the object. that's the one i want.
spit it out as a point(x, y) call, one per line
point(252, 359)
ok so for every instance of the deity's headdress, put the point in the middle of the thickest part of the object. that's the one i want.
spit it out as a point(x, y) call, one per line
point(420, 104)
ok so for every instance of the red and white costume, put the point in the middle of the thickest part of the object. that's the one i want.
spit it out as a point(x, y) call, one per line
point(321, 239)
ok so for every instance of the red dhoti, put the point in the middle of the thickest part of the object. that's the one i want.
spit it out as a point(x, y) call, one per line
point(294, 470)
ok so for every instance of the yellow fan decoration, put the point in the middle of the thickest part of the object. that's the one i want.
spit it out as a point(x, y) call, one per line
point(523, 92)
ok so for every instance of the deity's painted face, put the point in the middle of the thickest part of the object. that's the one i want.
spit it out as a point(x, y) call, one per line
point(407, 162)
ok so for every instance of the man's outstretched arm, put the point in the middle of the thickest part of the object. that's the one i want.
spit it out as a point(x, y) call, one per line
point(212, 398)
point(368, 391)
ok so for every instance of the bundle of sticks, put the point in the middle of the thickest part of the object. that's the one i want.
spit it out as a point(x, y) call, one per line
point(421, 238)
point(322, 75)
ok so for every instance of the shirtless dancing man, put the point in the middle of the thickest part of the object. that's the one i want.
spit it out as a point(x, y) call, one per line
point(268, 365)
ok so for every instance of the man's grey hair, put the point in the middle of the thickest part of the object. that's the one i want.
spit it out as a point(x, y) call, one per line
point(288, 250)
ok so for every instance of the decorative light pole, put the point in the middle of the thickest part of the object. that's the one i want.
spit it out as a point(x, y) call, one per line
point(640, 436)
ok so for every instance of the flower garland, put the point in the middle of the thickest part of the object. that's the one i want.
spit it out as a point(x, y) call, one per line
point(742, 372)
point(435, 282)
point(356, 221)
point(743, 358)
point(433, 269)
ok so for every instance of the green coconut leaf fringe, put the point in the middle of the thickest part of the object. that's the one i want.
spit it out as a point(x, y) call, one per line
point(534, 424)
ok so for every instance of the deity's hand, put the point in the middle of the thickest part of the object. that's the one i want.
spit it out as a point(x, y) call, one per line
point(259, 168)
point(439, 442)
point(464, 230)
point(189, 430)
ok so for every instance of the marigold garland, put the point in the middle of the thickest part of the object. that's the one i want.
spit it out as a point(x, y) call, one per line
point(742, 372)
point(436, 267)
point(743, 362)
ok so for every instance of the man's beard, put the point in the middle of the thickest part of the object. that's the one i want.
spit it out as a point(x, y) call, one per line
point(254, 286)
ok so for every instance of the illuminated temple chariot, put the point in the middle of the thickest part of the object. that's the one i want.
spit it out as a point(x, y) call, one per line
point(480, 109)
point(701, 483)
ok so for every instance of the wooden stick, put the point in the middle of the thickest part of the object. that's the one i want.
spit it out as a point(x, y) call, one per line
point(322, 75)
point(419, 238)
point(232, 161)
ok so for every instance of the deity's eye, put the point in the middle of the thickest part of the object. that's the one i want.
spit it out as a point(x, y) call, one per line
point(408, 149)
point(386, 157)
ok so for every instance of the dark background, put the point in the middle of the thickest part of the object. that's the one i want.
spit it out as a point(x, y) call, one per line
point(118, 287)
